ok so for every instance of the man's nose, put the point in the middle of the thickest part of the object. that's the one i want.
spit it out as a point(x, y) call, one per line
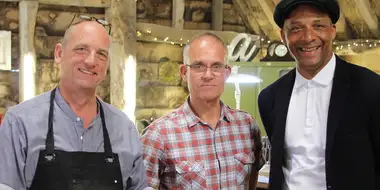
point(309, 34)
point(208, 73)
point(90, 59)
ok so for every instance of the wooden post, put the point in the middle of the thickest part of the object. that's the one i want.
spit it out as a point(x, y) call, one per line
point(27, 23)
point(217, 15)
point(178, 10)
point(122, 16)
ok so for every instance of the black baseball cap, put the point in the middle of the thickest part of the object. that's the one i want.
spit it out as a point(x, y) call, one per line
point(285, 7)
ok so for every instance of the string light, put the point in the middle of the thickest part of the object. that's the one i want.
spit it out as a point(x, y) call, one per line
point(355, 46)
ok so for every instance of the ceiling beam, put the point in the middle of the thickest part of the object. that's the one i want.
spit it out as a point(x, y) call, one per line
point(247, 16)
point(178, 11)
point(252, 11)
point(27, 22)
point(217, 15)
point(156, 33)
point(361, 18)
point(268, 8)
point(368, 15)
point(343, 31)
point(78, 3)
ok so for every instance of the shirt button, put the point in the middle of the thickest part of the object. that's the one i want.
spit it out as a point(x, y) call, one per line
point(81, 137)
point(329, 187)
point(78, 119)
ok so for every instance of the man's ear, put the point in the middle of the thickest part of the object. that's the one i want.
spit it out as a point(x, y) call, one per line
point(283, 36)
point(228, 72)
point(58, 53)
point(183, 72)
point(333, 31)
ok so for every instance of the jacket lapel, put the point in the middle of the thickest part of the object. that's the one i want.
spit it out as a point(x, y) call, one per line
point(339, 90)
point(282, 99)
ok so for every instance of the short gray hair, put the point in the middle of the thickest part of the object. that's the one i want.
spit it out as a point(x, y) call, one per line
point(204, 34)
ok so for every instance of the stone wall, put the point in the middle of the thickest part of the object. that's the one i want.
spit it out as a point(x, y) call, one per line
point(197, 14)
point(160, 87)
point(8, 90)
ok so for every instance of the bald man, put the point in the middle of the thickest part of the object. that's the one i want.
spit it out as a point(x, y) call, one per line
point(67, 138)
point(204, 144)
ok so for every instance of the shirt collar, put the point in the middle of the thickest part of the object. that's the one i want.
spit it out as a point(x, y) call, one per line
point(323, 77)
point(61, 102)
point(193, 120)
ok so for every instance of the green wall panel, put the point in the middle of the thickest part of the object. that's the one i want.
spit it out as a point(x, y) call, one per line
point(268, 72)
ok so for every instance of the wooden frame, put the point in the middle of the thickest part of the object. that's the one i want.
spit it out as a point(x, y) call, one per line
point(5, 50)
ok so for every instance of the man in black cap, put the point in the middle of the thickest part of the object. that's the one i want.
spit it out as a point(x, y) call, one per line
point(322, 118)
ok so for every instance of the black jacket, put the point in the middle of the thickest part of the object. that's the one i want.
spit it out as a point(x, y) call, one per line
point(353, 127)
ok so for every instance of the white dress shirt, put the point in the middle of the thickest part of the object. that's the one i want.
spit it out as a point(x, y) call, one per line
point(305, 133)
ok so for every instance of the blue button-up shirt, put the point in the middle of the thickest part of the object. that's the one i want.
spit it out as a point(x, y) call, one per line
point(24, 129)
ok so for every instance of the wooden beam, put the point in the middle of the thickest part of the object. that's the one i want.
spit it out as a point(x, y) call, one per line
point(54, 22)
point(247, 15)
point(359, 16)
point(376, 6)
point(268, 8)
point(343, 31)
point(368, 15)
point(157, 33)
point(78, 3)
point(217, 15)
point(122, 16)
point(178, 11)
point(269, 30)
point(27, 22)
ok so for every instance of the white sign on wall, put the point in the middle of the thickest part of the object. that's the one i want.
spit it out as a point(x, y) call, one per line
point(243, 48)
point(5, 50)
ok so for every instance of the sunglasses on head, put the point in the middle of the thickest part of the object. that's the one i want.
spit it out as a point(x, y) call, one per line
point(80, 18)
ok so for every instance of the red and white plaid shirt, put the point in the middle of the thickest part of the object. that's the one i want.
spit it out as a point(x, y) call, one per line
point(182, 152)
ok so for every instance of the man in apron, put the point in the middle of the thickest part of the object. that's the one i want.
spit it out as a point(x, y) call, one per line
point(66, 138)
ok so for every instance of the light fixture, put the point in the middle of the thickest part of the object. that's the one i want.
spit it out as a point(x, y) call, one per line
point(237, 78)
point(130, 88)
point(28, 73)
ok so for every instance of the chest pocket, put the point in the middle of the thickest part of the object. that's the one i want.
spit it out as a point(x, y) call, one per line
point(190, 175)
point(243, 164)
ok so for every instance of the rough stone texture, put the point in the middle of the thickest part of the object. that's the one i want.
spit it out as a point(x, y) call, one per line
point(147, 74)
point(158, 74)
point(55, 22)
point(160, 97)
point(231, 16)
point(153, 52)
point(44, 46)
point(169, 73)
point(153, 9)
point(236, 28)
point(162, 22)
point(151, 114)
point(8, 95)
point(145, 117)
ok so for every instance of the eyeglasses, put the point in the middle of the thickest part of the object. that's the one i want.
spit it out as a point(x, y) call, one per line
point(82, 18)
point(201, 68)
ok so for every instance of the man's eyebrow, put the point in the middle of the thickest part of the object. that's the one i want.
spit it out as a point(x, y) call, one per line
point(103, 51)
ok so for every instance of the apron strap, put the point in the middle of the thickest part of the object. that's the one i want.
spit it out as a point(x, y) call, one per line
point(49, 152)
point(49, 155)
point(107, 141)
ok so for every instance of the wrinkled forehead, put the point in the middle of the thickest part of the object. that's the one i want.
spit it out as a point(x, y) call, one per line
point(90, 33)
point(207, 48)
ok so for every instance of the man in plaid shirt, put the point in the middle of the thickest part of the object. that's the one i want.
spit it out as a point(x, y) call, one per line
point(203, 144)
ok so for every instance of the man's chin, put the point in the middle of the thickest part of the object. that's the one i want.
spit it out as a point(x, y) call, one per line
point(210, 97)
